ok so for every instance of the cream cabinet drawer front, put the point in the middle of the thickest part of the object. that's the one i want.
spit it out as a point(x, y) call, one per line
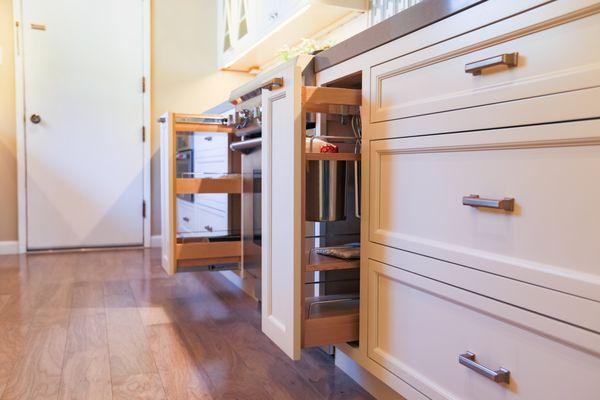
point(418, 187)
point(418, 328)
point(555, 55)
point(186, 216)
point(211, 222)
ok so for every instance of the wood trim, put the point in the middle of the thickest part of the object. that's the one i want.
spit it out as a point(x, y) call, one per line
point(331, 95)
point(207, 261)
point(225, 184)
point(332, 157)
point(188, 127)
point(330, 330)
point(331, 100)
point(317, 262)
point(209, 250)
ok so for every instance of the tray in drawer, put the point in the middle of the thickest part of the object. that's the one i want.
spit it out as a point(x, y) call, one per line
point(537, 53)
point(419, 187)
point(418, 328)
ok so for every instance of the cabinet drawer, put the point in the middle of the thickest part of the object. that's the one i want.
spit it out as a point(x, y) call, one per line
point(417, 328)
point(186, 216)
point(211, 222)
point(555, 55)
point(418, 185)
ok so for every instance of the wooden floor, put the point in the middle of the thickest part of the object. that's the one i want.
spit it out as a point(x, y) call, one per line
point(112, 324)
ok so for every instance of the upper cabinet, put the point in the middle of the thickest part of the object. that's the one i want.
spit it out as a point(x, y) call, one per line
point(252, 31)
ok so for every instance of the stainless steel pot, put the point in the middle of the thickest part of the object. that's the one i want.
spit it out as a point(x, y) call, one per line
point(325, 190)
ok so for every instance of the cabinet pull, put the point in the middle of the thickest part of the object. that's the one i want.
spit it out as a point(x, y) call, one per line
point(208, 138)
point(208, 228)
point(508, 59)
point(501, 375)
point(506, 204)
point(186, 219)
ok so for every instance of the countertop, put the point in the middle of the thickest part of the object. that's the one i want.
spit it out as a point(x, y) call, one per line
point(412, 19)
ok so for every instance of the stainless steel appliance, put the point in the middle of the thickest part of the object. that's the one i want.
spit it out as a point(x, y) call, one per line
point(248, 126)
point(185, 167)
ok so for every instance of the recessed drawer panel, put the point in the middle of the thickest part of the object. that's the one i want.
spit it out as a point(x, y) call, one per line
point(542, 54)
point(536, 219)
point(418, 328)
point(211, 222)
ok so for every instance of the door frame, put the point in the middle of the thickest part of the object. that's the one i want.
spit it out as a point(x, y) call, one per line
point(21, 118)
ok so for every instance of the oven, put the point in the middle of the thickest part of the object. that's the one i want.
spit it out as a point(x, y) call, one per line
point(184, 164)
point(251, 207)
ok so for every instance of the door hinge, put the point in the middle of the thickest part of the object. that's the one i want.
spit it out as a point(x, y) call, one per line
point(144, 209)
point(143, 134)
point(143, 84)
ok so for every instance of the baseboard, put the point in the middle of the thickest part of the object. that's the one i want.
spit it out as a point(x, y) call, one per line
point(9, 247)
point(156, 241)
point(246, 283)
point(364, 378)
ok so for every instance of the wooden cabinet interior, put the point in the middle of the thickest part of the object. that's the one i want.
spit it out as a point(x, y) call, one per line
point(329, 315)
point(184, 251)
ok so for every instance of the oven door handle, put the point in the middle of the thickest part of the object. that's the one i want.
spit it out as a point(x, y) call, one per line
point(246, 146)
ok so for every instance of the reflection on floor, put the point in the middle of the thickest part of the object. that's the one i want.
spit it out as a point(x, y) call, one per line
point(112, 324)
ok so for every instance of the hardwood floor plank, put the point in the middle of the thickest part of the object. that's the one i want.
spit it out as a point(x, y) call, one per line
point(13, 338)
point(138, 387)
point(181, 378)
point(86, 368)
point(128, 346)
point(112, 324)
point(38, 374)
point(118, 294)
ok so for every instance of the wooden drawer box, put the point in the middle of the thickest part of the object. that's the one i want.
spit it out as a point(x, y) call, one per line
point(418, 327)
point(555, 55)
point(418, 186)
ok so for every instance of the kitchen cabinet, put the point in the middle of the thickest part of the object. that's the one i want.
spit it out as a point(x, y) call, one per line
point(252, 31)
point(200, 212)
point(510, 284)
point(293, 315)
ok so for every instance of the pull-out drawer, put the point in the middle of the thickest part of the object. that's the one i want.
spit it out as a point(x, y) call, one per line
point(537, 53)
point(423, 199)
point(418, 328)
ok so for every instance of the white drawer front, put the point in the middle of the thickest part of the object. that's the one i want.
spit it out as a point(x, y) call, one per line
point(211, 222)
point(556, 55)
point(417, 328)
point(417, 187)
point(186, 216)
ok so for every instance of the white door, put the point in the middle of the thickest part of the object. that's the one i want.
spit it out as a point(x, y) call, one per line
point(83, 68)
point(282, 145)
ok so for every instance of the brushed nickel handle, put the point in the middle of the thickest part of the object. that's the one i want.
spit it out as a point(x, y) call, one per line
point(208, 138)
point(186, 219)
point(506, 204)
point(501, 375)
point(508, 59)
point(208, 228)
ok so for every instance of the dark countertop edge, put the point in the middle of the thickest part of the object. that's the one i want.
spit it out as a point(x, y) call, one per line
point(408, 21)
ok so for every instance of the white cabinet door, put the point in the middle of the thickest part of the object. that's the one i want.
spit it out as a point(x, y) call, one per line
point(281, 216)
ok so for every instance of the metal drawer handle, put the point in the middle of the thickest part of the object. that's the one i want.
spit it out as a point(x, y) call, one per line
point(506, 204)
point(508, 59)
point(186, 219)
point(208, 228)
point(501, 375)
point(208, 138)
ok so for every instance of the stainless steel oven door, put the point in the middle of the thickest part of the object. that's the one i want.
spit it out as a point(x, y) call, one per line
point(251, 207)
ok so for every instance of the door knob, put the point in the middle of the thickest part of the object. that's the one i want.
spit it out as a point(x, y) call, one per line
point(36, 119)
